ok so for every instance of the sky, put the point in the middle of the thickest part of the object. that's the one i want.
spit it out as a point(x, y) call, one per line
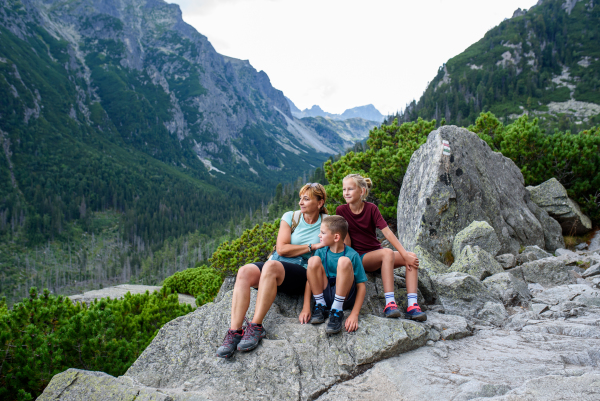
point(341, 54)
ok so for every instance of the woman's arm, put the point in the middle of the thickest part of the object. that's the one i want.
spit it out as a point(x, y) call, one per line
point(409, 257)
point(284, 243)
point(352, 320)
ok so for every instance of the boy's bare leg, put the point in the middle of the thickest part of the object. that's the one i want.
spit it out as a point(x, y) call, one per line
point(315, 275)
point(247, 276)
point(272, 276)
point(382, 259)
point(412, 274)
point(345, 277)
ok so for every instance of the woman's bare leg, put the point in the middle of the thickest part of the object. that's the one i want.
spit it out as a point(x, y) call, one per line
point(247, 276)
point(272, 276)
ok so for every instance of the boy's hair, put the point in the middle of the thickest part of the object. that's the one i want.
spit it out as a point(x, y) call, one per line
point(337, 225)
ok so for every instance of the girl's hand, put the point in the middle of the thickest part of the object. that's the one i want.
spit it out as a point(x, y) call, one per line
point(411, 261)
point(304, 316)
point(352, 323)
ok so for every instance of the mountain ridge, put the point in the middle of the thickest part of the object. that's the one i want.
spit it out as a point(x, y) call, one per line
point(367, 112)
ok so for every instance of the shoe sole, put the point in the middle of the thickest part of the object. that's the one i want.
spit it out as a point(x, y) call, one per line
point(420, 318)
point(315, 321)
point(329, 331)
point(225, 356)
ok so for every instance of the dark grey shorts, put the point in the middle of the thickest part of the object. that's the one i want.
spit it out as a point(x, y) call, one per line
point(329, 294)
point(294, 282)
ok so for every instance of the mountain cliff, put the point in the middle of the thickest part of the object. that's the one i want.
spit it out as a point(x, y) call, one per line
point(544, 61)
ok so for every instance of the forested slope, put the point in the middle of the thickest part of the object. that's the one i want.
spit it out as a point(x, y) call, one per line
point(544, 61)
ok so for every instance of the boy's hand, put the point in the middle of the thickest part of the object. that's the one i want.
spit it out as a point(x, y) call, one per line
point(304, 316)
point(352, 323)
point(411, 261)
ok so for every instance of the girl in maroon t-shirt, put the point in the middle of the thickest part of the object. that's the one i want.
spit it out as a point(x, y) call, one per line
point(363, 217)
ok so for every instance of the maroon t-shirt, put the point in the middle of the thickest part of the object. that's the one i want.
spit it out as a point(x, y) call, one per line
point(361, 227)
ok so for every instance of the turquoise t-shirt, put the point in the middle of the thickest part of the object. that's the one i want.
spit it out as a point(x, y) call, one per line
point(332, 261)
point(304, 233)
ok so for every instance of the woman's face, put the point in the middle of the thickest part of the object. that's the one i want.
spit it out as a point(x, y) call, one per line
point(351, 191)
point(309, 204)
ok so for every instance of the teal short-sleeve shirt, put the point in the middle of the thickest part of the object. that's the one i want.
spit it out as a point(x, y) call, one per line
point(304, 233)
point(332, 261)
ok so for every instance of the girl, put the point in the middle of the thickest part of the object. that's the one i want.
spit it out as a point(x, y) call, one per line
point(363, 217)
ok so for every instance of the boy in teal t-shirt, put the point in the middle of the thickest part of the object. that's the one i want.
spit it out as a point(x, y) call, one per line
point(336, 277)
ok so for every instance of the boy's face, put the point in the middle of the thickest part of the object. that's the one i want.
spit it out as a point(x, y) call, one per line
point(326, 237)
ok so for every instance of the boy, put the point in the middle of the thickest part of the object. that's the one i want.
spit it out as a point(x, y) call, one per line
point(336, 277)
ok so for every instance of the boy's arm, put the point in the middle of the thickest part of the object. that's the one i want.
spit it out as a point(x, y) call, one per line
point(352, 321)
point(305, 314)
point(409, 257)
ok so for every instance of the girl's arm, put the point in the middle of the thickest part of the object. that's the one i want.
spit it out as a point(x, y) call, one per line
point(284, 243)
point(409, 257)
point(347, 240)
point(352, 320)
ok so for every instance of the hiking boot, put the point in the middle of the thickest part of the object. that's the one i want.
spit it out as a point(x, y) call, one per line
point(414, 313)
point(335, 321)
point(391, 310)
point(319, 314)
point(230, 343)
point(252, 336)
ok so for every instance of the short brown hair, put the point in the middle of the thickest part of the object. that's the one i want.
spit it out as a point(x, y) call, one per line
point(337, 225)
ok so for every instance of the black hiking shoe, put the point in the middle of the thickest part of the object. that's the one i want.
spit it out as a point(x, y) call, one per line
point(319, 314)
point(252, 336)
point(335, 321)
point(230, 343)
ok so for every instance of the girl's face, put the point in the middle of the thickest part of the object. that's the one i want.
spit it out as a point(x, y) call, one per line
point(309, 204)
point(352, 192)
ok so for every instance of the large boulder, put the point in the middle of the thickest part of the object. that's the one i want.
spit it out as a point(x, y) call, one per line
point(552, 197)
point(476, 262)
point(531, 253)
point(443, 194)
point(119, 291)
point(548, 272)
point(478, 233)
point(463, 295)
point(511, 290)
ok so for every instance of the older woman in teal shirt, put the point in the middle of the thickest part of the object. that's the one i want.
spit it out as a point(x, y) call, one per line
point(286, 272)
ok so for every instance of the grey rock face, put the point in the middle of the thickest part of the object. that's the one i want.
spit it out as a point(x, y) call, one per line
point(478, 233)
point(449, 327)
point(552, 197)
point(119, 291)
point(426, 286)
point(592, 271)
point(548, 272)
point(462, 294)
point(511, 290)
point(476, 262)
point(442, 194)
point(228, 284)
point(429, 262)
point(507, 260)
point(493, 313)
point(532, 253)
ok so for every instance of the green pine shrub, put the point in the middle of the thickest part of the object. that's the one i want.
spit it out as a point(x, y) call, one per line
point(385, 162)
point(201, 282)
point(254, 245)
point(45, 335)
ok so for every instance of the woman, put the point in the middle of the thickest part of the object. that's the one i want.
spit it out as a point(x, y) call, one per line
point(285, 272)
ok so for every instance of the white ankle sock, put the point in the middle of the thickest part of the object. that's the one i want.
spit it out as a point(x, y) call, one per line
point(412, 299)
point(389, 297)
point(338, 302)
point(319, 299)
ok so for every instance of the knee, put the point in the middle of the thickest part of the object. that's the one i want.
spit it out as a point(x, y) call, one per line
point(345, 265)
point(388, 254)
point(272, 269)
point(314, 263)
point(246, 273)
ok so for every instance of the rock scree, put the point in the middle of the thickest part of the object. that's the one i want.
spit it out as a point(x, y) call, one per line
point(442, 194)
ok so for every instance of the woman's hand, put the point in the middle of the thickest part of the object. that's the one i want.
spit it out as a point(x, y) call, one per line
point(318, 245)
point(411, 261)
point(304, 316)
point(352, 323)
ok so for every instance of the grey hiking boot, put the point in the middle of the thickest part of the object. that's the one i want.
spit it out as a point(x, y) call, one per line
point(335, 321)
point(319, 314)
point(252, 336)
point(230, 343)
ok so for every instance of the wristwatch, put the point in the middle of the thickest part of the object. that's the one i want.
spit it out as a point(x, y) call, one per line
point(309, 247)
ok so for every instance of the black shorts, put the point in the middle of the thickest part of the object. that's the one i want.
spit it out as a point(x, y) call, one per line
point(294, 282)
point(329, 294)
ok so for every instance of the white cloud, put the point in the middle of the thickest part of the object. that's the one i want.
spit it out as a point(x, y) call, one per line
point(346, 53)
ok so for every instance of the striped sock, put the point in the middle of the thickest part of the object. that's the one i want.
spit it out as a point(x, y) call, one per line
point(319, 299)
point(412, 299)
point(389, 297)
point(338, 302)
